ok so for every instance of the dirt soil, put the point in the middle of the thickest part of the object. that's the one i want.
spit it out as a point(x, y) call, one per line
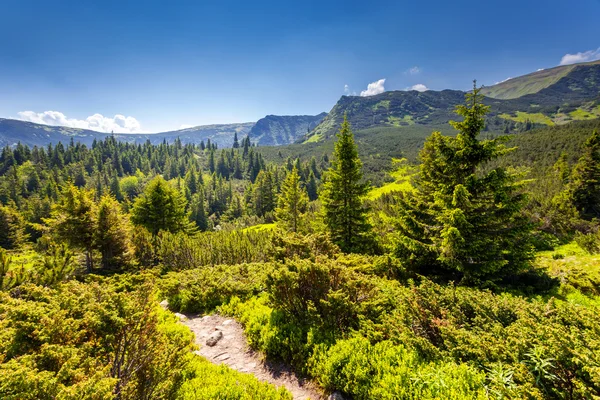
point(232, 350)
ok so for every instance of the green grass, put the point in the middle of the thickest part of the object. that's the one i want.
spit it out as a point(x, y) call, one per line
point(581, 114)
point(401, 175)
point(26, 258)
point(536, 118)
point(314, 138)
point(526, 84)
point(382, 104)
point(577, 270)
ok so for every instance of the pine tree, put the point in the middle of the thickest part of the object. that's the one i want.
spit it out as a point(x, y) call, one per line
point(584, 184)
point(74, 220)
point(12, 228)
point(344, 212)
point(292, 201)
point(263, 194)
point(463, 220)
point(312, 187)
point(161, 208)
point(198, 211)
point(113, 236)
point(236, 144)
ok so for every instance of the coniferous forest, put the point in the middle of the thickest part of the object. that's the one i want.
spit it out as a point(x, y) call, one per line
point(471, 272)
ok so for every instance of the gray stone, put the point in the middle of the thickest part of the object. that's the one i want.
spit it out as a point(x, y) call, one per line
point(164, 304)
point(335, 396)
point(214, 338)
point(181, 316)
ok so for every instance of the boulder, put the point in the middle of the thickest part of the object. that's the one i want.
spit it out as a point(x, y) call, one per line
point(214, 338)
point(180, 316)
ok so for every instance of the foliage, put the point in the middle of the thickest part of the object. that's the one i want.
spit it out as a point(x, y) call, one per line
point(89, 341)
point(460, 219)
point(292, 201)
point(585, 179)
point(74, 220)
point(344, 212)
point(206, 381)
point(113, 237)
point(161, 208)
point(179, 252)
point(12, 228)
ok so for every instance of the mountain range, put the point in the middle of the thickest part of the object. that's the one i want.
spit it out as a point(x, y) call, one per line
point(547, 97)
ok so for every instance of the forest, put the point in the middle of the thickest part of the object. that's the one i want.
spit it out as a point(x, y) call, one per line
point(471, 271)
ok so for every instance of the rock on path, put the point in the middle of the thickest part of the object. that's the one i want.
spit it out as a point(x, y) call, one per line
point(232, 350)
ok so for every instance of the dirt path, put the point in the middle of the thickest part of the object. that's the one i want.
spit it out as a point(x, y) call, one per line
point(233, 351)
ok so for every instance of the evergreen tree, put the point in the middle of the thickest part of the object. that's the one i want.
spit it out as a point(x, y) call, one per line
point(74, 220)
point(113, 236)
point(115, 187)
point(312, 187)
point(198, 211)
point(236, 144)
point(344, 212)
point(263, 194)
point(161, 208)
point(12, 228)
point(211, 161)
point(584, 184)
point(292, 201)
point(462, 219)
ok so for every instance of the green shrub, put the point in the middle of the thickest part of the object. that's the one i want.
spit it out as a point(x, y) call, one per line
point(206, 381)
point(203, 289)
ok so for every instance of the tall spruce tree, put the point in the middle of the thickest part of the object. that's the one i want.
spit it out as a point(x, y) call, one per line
point(344, 212)
point(464, 219)
point(584, 184)
point(113, 236)
point(161, 208)
point(74, 220)
point(292, 201)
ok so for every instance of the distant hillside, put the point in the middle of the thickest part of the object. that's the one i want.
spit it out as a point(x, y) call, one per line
point(531, 83)
point(221, 134)
point(573, 96)
point(29, 133)
point(275, 130)
point(394, 109)
point(32, 134)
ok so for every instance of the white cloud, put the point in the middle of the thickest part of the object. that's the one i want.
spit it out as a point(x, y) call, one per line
point(540, 69)
point(414, 70)
point(419, 87)
point(97, 122)
point(348, 92)
point(374, 88)
point(590, 55)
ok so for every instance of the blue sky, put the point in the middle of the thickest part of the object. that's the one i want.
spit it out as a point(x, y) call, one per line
point(160, 65)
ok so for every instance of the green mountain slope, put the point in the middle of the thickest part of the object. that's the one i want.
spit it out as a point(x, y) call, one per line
point(531, 83)
point(573, 96)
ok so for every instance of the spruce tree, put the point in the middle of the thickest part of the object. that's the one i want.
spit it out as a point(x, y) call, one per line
point(161, 208)
point(344, 212)
point(312, 187)
point(584, 184)
point(113, 236)
point(292, 201)
point(198, 210)
point(236, 144)
point(263, 194)
point(12, 228)
point(74, 220)
point(464, 220)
